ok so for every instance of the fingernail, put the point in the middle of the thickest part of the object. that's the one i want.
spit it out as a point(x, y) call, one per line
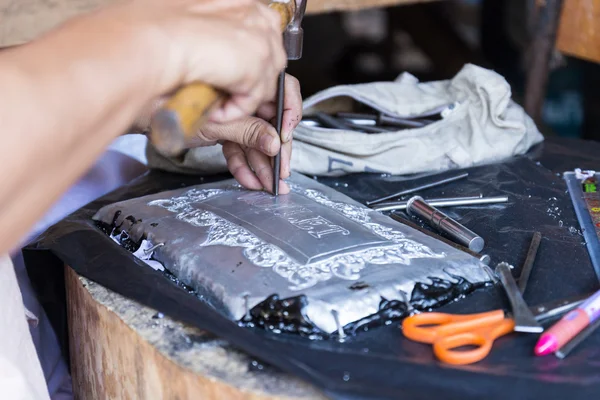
point(265, 144)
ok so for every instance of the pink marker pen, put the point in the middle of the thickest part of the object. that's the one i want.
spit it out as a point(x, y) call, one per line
point(569, 326)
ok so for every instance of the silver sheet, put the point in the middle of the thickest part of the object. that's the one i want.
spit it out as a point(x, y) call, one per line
point(238, 247)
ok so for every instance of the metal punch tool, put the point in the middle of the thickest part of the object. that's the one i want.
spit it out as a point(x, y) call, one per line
point(418, 207)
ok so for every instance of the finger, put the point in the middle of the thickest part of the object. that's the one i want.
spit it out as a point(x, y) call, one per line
point(279, 54)
point(274, 18)
point(238, 166)
point(284, 188)
point(249, 132)
point(292, 114)
point(261, 164)
point(267, 85)
point(257, 16)
point(286, 157)
point(142, 123)
point(236, 107)
point(267, 111)
point(292, 108)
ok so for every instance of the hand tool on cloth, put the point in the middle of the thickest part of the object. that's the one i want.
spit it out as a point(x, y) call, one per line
point(327, 121)
point(313, 120)
point(416, 206)
point(182, 115)
point(383, 119)
point(448, 332)
point(354, 122)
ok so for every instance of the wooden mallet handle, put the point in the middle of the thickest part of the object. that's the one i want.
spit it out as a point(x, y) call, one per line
point(183, 114)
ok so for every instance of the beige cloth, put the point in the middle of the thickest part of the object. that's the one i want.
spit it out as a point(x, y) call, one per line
point(21, 376)
point(480, 125)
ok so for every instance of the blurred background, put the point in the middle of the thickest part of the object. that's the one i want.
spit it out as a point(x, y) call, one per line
point(433, 40)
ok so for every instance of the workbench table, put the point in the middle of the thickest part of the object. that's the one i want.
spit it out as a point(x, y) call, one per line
point(120, 349)
point(147, 355)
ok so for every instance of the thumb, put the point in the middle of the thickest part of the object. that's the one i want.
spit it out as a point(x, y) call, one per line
point(251, 132)
point(142, 123)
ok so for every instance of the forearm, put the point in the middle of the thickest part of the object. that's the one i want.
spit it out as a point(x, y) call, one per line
point(63, 100)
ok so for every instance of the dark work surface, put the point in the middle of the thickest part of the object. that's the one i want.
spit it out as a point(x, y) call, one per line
point(381, 363)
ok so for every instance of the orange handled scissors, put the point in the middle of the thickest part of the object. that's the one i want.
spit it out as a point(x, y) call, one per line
point(448, 332)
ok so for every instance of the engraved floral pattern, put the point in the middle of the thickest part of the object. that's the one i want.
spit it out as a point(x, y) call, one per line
point(300, 276)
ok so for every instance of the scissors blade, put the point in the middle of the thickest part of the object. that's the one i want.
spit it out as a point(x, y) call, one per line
point(524, 320)
point(558, 308)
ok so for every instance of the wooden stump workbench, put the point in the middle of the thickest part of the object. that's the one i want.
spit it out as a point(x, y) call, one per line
point(122, 350)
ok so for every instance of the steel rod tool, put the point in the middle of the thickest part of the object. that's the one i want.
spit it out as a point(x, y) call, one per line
point(418, 188)
point(435, 218)
point(278, 126)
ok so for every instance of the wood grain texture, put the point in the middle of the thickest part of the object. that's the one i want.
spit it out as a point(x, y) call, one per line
point(23, 20)
point(119, 351)
point(579, 29)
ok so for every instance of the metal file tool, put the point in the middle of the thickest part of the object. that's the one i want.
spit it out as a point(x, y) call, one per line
point(528, 264)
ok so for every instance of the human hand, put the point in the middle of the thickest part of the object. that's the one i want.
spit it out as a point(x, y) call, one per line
point(249, 143)
point(233, 45)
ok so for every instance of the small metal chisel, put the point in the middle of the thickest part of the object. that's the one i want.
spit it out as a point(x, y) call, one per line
point(278, 126)
point(293, 38)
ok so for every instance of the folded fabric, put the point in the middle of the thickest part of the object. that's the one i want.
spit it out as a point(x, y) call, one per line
point(479, 124)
